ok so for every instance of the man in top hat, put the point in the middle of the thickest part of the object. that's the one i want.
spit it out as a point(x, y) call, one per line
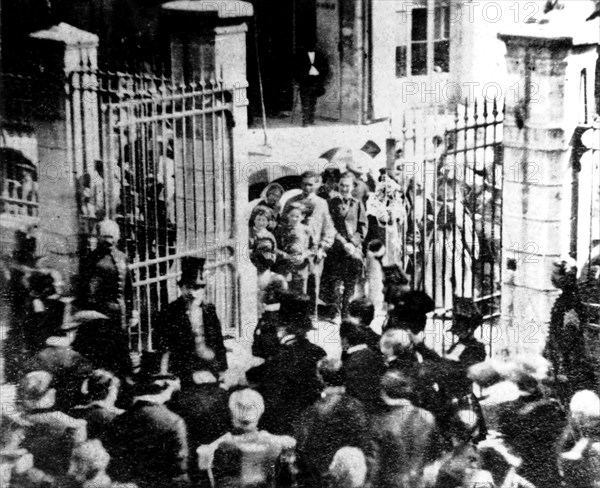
point(466, 319)
point(189, 329)
point(150, 441)
point(288, 381)
point(106, 278)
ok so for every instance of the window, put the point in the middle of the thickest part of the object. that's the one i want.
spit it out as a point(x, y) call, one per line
point(423, 38)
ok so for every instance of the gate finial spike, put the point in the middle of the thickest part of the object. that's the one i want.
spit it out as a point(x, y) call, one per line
point(485, 108)
point(475, 115)
point(456, 117)
point(495, 108)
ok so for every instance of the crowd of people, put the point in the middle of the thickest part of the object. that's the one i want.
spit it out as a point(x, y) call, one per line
point(389, 413)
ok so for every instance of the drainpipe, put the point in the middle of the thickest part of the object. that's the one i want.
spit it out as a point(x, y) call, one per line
point(366, 51)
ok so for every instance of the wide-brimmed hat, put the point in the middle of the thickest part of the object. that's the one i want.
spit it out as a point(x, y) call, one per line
point(192, 271)
point(82, 317)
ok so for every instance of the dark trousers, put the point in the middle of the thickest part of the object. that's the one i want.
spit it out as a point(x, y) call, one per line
point(308, 100)
point(339, 271)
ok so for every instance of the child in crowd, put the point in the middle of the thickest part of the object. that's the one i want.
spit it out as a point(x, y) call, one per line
point(295, 240)
point(259, 222)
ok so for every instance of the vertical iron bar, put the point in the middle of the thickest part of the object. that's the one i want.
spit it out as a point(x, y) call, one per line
point(192, 86)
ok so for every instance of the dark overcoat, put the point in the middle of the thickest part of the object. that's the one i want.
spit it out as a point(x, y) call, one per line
point(150, 445)
point(174, 334)
point(288, 383)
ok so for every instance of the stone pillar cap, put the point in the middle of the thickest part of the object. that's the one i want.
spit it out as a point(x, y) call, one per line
point(222, 9)
point(67, 34)
point(555, 31)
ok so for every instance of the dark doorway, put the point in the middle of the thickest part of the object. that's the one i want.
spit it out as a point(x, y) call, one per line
point(279, 28)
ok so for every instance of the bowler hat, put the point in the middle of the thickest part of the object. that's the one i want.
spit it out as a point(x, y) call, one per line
point(192, 271)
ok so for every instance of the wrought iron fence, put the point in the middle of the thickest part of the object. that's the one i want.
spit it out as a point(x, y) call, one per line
point(585, 231)
point(156, 156)
point(449, 170)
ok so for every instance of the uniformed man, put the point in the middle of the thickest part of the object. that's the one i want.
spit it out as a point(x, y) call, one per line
point(106, 278)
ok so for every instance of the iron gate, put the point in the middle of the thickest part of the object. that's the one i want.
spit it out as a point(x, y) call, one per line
point(585, 228)
point(450, 180)
point(156, 156)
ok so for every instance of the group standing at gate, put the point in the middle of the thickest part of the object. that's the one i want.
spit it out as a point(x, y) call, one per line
point(390, 413)
point(316, 241)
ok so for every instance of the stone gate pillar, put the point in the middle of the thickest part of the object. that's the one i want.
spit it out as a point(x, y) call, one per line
point(55, 52)
point(546, 65)
point(208, 40)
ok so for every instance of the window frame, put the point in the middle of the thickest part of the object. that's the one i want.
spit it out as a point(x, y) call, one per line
point(405, 42)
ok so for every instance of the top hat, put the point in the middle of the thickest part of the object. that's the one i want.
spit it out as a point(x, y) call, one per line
point(153, 377)
point(192, 271)
point(154, 366)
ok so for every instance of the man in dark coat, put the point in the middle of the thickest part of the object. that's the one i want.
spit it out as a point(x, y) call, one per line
point(335, 420)
point(565, 346)
point(363, 368)
point(405, 436)
point(363, 310)
point(68, 367)
point(103, 342)
point(311, 75)
point(288, 381)
point(465, 321)
point(189, 329)
point(106, 279)
point(203, 406)
point(344, 263)
point(150, 442)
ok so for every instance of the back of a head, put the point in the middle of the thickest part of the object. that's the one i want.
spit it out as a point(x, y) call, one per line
point(294, 313)
point(92, 456)
point(585, 404)
point(99, 384)
point(247, 403)
point(34, 387)
point(396, 385)
point(348, 469)
point(330, 371)
point(393, 341)
point(352, 331)
point(363, 309)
